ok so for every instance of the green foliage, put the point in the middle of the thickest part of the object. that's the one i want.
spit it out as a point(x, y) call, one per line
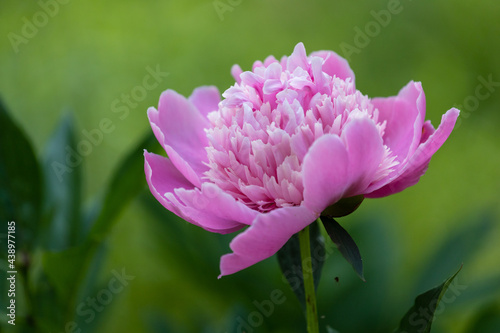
point(345, 244)
point(70, 258)
point(420, 316)
point(82, 262)
point(62, 170)
point(20, 183)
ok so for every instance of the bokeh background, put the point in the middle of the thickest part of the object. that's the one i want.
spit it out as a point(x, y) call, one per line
point(75, 66)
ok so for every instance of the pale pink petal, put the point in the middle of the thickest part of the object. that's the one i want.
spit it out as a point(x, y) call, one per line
point(212, 208)
point(270, 60)
point(405, 114)
point(298, 58)
point(180, 129)
point(236, 72)
point(419, 161)
point(335, 65)
point(366, 150)
point(325, 173)
point(267, 234)
point(205, 99)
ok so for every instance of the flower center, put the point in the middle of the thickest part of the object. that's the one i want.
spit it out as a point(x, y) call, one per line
point(266, 123)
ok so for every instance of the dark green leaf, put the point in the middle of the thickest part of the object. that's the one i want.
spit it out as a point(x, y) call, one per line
point(344, 242)
point(72, 271)
point(290, 262)
point(419, 318)
point(62, 173)
point(125, 185)
point(343, 207)
point(20, 182)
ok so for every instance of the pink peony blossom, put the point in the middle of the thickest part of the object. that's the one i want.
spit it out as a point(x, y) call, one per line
point(289, 139)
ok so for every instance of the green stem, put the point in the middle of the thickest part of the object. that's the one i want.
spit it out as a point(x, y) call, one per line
point(307, 273)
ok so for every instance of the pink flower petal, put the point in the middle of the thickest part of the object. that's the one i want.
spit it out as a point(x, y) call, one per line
point(236, 72)
point(267, 234)
point(366, 150)
point(163, 177)
point(334, 65)
point(427, 131)
point(180, 128)
point(405, 114)
point(212, 208)
point(205, 99)
point(298, 58)
point(419, 161)
point(325, 173)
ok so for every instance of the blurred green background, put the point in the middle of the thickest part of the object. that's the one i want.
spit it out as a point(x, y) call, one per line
point(82, 58)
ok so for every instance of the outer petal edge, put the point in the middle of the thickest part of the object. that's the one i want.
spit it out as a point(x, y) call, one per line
point(267, 234)
point(419, 161)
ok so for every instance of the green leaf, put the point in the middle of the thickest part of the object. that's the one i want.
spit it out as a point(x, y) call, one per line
point(345, 244)
point(291, 264)
point(62, 173)
point(419, 318)
point(127, 183)
point(20, 182)
point(85, 260)
point(343, 207)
